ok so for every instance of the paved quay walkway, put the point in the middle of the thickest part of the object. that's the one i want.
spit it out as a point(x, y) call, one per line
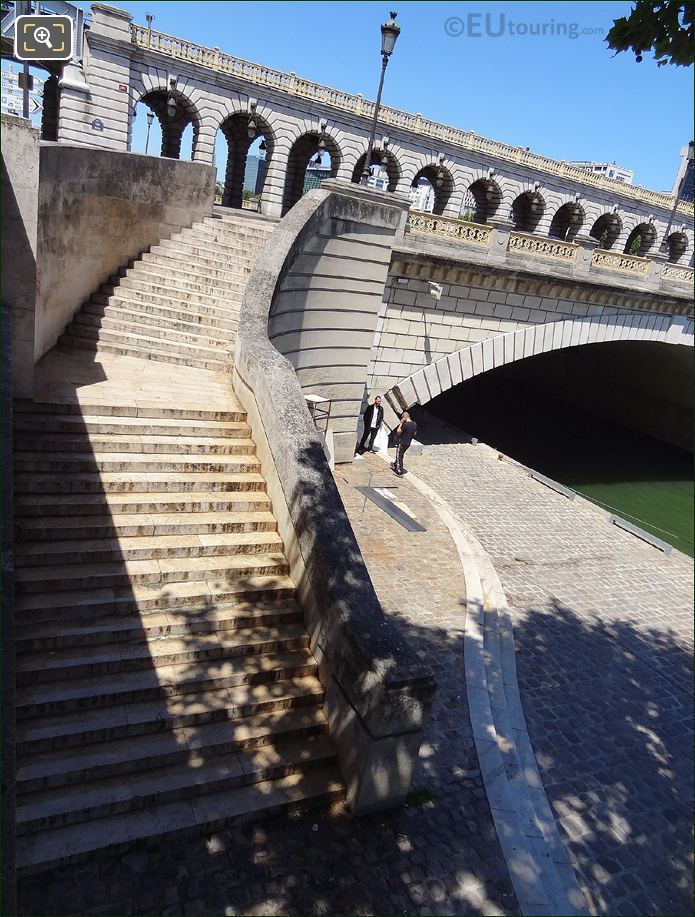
point(603, 631)
point(438, 855)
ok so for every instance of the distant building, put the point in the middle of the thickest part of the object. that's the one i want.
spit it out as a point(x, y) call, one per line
point(609, 169)
point(378, 179)
point(314, 175)
point(422, 196)
point(12, 95)
point(683, 185)
point(254, 176)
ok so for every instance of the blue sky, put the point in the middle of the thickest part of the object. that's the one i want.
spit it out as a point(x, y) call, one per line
point(565, 97)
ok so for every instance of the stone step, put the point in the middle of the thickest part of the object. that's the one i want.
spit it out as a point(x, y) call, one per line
point(195, 249)
point(196, 597)
point(206, 814)
point(94, 661)
point(206, 725)
point(164, 286)
point(234, 219)
point(178, 463)
point(51, 635)
point(133, 443)
point(78, 345)
point(171, 265)
point(87, 508)
point(167, 320)
point(162, 684)
point(140, 483)
point(188, 780)
point(136, 426)
point(66, 731)
point(141, 409)
point(225, 567)
point(146, 547)
point(41, 528)
point(168, 337)
point(172, 299)
point(161, 340)
point(148, 314)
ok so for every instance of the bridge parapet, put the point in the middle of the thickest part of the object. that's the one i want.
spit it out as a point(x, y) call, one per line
point(495, 244)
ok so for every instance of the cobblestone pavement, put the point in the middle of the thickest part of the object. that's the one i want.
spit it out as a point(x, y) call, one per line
point(603, 632)
point(438, 855)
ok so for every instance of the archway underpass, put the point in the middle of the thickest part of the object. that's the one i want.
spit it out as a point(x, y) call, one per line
point(612, 421)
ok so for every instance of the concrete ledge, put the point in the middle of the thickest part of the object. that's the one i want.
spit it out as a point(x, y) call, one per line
point(377, 692)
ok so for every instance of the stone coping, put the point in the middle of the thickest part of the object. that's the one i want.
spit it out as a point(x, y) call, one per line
point(383, 680)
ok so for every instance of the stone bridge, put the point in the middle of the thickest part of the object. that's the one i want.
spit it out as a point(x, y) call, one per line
point(185, 84)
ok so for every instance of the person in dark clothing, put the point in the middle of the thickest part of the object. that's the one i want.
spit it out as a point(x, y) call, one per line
point(373, 418)
point(405, 432)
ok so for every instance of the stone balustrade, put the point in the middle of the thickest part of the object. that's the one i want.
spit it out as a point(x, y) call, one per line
point(526, 244)
point(617, 261)
point(449, 228)
point(678, 273)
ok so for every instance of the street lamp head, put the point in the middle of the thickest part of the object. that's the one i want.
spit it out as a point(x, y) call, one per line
point(150, 118)
point(148, 18)
point(252, 129)
point(389, 33)
point(171, 106)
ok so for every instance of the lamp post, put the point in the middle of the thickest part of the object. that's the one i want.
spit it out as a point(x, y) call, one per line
point(150, 119)
point(389, 33)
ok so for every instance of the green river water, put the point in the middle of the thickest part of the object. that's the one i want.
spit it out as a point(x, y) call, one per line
point(639, 478)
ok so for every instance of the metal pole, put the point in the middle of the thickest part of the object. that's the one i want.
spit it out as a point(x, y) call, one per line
point(147, 139)
point(372, 134)
point(25, 91)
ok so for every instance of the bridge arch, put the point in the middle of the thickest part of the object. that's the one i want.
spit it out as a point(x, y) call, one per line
point(527, 211)
point(441, 181)
point(641, 239)
point(175, 110)
point(241, 129)
point(314, 145)
point(567, 221)
point(384, 157)
point(606, 230)
point(502, 349)
point(485, 197)
point(677, 247)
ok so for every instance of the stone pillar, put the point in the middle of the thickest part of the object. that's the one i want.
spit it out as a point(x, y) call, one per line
point(659, 260)
point(588, 246)
point(502, 227)
point(325, 314)
point(94, 109)
point(274, 184)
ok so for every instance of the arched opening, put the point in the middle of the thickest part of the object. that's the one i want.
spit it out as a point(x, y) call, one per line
point(486, 199)
point(175, 129)
point(677, 246)
point(431, 189)
point(527, 211)
point(384, 170)
point(606, 230)
point(51, 107)
point(567, 222)
point(249, 151)
point(313, 158)
point(640, 240)
point(611, 420)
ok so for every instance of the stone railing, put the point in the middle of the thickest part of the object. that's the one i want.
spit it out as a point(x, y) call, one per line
point(217, 60)
point(543, 248)
point(616, 261)
point(448, 228)
point(678, 272)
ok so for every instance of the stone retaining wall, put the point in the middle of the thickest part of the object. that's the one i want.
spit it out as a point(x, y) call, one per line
point(377, 691)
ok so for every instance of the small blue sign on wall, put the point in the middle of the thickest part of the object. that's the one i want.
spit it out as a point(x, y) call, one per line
point(97, 124)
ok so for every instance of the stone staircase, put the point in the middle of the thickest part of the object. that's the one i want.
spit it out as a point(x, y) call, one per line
point(179, 302)
point(165, 683)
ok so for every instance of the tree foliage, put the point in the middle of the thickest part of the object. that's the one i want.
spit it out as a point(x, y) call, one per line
point(662, 26)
